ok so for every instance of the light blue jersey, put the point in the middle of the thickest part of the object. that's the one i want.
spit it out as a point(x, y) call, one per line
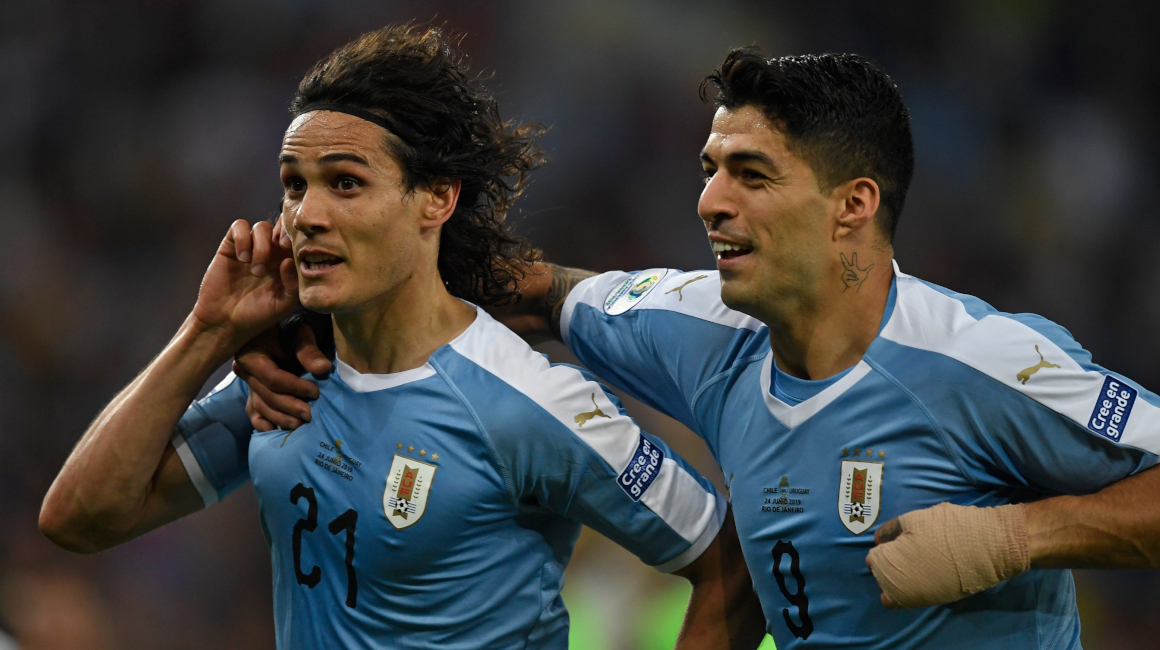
point(953, 401)
point(438, 507)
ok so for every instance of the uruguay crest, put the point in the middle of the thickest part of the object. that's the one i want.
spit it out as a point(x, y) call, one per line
point(860, 494)
point(408, 484)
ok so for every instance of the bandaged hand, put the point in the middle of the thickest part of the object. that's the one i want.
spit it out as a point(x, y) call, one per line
point(941, 554)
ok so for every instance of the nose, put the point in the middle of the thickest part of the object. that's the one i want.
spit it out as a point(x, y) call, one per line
point(716, 204)
point(309, 216)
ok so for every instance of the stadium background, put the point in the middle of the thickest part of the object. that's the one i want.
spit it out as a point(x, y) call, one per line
point(132, 134)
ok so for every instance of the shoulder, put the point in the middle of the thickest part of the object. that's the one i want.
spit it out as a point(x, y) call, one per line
point(932, 318)
point(516, 381)
point(694, 294)
point(1031, 356)
point(539, 415)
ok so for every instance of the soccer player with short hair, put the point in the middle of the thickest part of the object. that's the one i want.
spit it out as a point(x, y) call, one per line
point(850, 404)
point(436, 495)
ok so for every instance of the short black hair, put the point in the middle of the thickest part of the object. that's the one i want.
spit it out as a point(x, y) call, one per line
point(446, 127)
point(841, 113)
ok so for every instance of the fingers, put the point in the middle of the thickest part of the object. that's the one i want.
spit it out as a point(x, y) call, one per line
point(257, 367)
point(261, 412)
point(261, 240)
point(888, 531)
point(239, 237)
point(280, 236)
point(845, 262)
point(260, 423)
point(917, 568)
point(289, 275)
point(308, 353)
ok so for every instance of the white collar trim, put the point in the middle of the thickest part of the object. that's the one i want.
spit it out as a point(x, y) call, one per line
point(792, 416)
point(361, 383)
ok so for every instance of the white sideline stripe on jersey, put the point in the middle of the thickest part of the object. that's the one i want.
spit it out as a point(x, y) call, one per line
point(1001, 347)
point(698, 547)
point(565, 393)
point(193, 468)
point(361, 383)
point(700, 299)
point(792, 416)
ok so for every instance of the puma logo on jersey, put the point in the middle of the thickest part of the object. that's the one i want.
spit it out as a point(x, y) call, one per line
point(1026, 373)
point(584, 417)
point(681, 296)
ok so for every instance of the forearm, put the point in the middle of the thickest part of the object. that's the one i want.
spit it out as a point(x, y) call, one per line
point(724, 612)
point(720, 620)
point(103, 491)
point(543, 290)
point(1115, 528)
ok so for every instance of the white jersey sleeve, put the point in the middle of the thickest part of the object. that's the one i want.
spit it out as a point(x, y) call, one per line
point(661, 335)
point(212, 440)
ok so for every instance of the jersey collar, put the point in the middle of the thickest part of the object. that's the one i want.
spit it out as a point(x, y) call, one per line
point(366, 383)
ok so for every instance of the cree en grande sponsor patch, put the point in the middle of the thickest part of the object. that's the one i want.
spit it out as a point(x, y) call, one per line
point(627, 294)
point(642, 470)
point(1113, 406)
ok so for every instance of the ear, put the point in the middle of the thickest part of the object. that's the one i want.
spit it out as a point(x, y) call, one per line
point(857, 203)
point(441, 198)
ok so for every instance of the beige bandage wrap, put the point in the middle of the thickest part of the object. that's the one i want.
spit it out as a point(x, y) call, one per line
point(949, 552)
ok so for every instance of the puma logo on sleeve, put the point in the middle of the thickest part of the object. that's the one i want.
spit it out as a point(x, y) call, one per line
point(680, 295)
point(584, 417)
point(1026, 373)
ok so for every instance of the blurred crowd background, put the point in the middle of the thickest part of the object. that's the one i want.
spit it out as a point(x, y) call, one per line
point(133, 133)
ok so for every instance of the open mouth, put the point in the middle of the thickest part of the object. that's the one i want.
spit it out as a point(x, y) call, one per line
point(725, 251)
point(318, 262)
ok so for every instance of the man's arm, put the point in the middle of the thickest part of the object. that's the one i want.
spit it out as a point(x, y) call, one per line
point(124, 477)
point(724, 611)
point(941, 554)
point(543, 291)
point(1115, 528)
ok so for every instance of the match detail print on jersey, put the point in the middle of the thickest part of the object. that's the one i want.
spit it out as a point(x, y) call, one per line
point(629, 293)
point(860, 494)
point(408, 485)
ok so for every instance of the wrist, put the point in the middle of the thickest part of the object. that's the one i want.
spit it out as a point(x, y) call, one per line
point(1010, 550)
point(214, 344)
point(1047, 539)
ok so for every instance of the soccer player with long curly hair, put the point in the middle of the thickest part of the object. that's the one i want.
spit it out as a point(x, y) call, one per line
point(435, 495)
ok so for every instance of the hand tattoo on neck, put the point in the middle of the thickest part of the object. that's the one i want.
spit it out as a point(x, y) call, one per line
point(853, 275)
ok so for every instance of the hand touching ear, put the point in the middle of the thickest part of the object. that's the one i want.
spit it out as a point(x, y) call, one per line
point(250, 285)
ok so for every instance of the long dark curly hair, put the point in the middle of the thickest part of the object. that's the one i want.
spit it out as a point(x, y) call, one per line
point(446, 127)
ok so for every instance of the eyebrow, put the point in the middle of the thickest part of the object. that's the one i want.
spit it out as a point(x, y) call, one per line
point(287, 159)
point(743, 156)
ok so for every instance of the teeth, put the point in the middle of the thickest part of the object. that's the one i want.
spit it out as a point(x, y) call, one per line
point(721, 247)
point(317, 258)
